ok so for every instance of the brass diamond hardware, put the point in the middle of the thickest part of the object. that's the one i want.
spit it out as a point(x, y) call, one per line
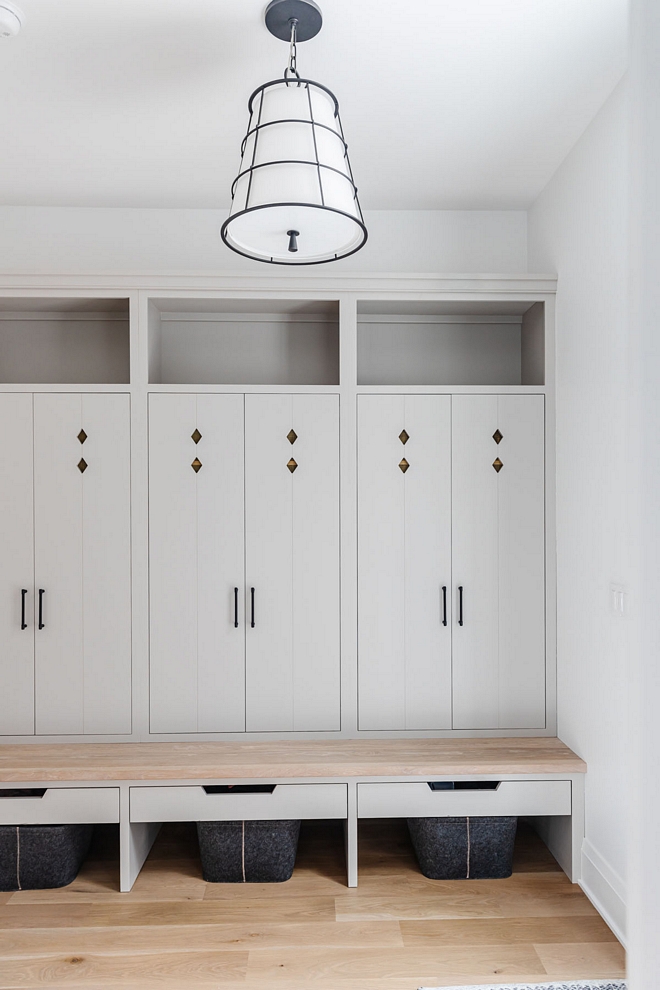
point(404, 465)
point(497, 436)
point(196, 436)
point(82, 436)
point(196, 465)
point(82, 465)
point(292, 465)
point(497, 464)
point(292, 436)
point(403, 437)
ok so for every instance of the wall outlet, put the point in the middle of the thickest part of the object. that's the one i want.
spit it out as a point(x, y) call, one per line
point(618, 600)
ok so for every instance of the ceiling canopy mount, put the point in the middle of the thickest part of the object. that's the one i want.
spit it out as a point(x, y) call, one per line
point(280, 14)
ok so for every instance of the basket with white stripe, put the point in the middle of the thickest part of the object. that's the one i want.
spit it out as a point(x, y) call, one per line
point(37, 857)
point(248, 851)
point(464, 848)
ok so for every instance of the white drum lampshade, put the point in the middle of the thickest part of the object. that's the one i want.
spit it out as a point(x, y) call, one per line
point(294, 201)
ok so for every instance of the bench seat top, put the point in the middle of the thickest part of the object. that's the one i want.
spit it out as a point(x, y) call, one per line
point(432, 758)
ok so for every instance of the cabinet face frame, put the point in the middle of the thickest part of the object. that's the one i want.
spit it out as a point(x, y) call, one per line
point(347, 290)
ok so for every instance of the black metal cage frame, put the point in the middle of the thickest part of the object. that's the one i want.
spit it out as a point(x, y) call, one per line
point(314, 163)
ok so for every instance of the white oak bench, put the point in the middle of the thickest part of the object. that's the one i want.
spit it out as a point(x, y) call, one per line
point(142, 785)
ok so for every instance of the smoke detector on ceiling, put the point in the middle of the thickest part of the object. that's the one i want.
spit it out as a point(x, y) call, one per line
point(11, 19)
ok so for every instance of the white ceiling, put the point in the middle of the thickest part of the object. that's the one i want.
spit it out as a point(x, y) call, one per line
point(446, 104)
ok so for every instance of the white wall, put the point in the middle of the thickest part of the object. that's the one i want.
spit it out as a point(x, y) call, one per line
point(644, 925)
point(59, 240)
point(578, 228)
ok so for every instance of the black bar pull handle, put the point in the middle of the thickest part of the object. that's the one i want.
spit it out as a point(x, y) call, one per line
point(41, 608)
point(23, 597)
point(444, 604)
point(252, 607)
point(235, 608)
point(460, 604)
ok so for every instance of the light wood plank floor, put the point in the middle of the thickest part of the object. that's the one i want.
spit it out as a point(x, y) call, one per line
point(397, 931)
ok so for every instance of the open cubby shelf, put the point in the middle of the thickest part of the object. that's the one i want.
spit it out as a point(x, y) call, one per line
point(282, 343)
point(64, 340)
point(456, 343)
point(243, 342)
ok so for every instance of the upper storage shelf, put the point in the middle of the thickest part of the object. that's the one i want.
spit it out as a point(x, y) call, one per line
point(243, 342)
point(451, 343)
point(46, 341)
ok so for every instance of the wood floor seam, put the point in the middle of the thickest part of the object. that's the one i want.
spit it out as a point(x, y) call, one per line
point(396, 931)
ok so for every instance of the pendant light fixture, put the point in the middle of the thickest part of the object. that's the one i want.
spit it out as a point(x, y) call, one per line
point(294, 201)
point(11, 19)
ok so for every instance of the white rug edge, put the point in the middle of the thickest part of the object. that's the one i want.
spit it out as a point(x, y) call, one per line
point(553, 985)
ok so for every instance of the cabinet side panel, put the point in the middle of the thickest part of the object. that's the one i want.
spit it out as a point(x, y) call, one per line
point(269, 563)
point(106, 522)
point(173, 563)
point(533, 345)
point(16, 566)
point(316, 618)
point(427, 485)
point(58, 502)
point(522, 562)
point(220, 563)
point(475, 562)
point(381, 563)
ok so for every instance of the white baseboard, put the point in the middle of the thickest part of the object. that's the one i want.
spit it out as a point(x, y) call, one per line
point(605, 889)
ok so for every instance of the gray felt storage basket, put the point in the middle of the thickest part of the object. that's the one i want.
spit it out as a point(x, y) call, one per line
point(464, 848)
point(33, 857)
point(248, 852)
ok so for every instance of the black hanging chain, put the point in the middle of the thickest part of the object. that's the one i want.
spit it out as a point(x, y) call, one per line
point(292, 67)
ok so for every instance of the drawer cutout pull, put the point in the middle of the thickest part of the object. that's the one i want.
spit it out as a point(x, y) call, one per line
point(464, 785)
point(239, 788)
point(22, 792)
